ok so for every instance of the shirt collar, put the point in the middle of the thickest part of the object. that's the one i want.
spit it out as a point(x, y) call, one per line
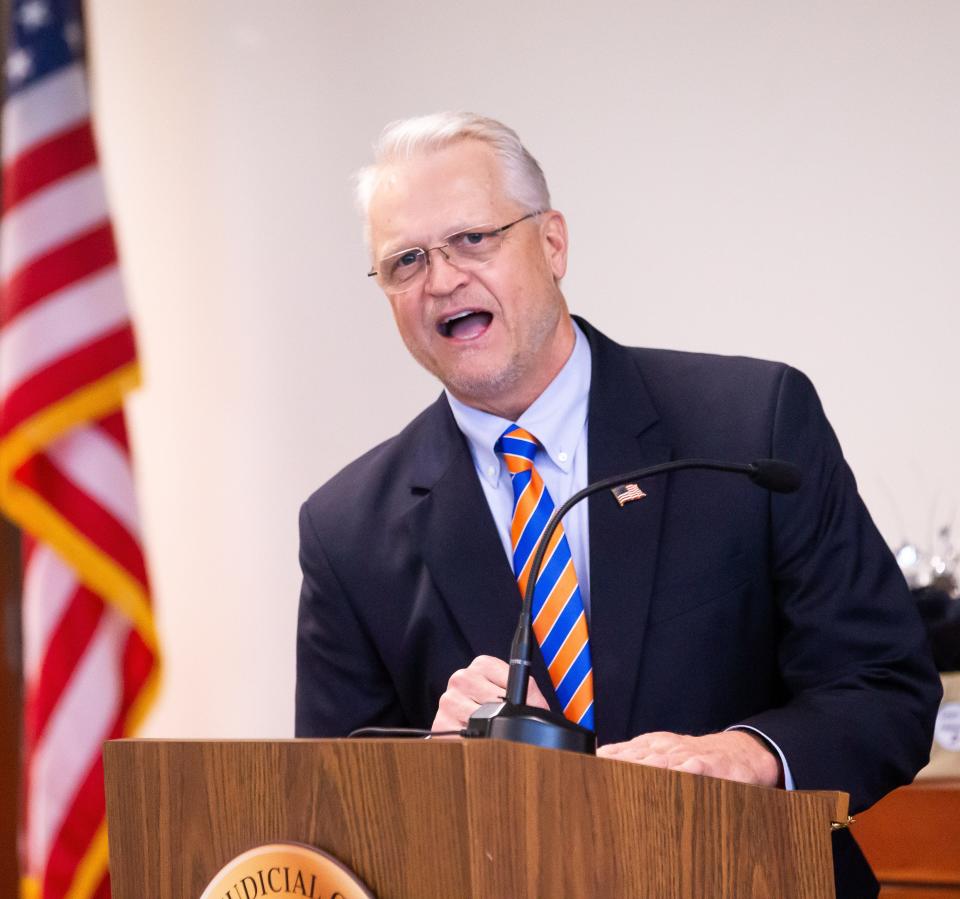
point(555, 418)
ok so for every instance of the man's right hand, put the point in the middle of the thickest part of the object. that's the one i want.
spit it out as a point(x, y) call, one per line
point(483, 680)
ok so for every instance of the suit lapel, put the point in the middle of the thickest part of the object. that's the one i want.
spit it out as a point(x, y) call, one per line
point(460, 544)
point(623, 433)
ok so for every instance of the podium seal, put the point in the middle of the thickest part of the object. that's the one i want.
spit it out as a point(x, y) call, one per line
point(285, 869)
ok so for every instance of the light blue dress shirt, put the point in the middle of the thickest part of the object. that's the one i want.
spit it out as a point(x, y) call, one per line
point(558, 419)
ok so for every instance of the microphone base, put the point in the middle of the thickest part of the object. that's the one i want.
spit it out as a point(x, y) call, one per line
point(526, 724)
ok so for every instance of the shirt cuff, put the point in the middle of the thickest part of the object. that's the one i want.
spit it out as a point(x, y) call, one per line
point(787, 776)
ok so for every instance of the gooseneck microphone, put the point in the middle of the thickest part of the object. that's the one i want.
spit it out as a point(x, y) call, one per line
point(512, 719)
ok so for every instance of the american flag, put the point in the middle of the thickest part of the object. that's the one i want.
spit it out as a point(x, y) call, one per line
point(67, 358)
point(627, 493)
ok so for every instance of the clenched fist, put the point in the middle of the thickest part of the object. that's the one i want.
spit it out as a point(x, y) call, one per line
point(483, 680)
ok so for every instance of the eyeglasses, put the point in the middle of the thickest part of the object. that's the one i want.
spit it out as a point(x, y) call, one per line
point(466, 250)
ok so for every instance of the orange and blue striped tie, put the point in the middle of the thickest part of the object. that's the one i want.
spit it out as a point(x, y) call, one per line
point(559, 621)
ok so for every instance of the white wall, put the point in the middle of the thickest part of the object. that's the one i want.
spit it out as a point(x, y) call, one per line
point(776, 179)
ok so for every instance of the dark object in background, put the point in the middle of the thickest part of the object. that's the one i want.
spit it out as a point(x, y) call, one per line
point(941, 615)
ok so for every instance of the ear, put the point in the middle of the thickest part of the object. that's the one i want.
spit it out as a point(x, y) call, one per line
point(553, 234)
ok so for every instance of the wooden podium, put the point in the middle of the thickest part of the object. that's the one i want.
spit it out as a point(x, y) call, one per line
point(459, 819)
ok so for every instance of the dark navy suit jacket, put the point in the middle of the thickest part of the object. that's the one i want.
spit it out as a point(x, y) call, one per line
point(713, 602)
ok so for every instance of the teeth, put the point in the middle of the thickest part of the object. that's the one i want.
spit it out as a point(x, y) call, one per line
point(459, 315)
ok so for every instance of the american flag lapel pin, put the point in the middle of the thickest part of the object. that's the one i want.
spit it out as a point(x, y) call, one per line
point(627, 493)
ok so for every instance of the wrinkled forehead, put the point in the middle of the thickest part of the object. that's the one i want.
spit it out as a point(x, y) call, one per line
point(419, 201)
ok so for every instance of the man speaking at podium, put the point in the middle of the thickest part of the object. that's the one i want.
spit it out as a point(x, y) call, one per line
point(709, 626)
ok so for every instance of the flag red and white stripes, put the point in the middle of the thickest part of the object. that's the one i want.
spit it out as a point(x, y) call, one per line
point(67, 358)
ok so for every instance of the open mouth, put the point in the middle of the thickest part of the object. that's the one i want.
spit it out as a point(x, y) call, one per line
point(465, 325)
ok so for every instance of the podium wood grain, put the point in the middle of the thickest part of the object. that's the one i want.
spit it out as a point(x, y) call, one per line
point(459, 819)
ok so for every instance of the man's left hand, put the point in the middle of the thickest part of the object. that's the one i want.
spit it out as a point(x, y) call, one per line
point(732, 755)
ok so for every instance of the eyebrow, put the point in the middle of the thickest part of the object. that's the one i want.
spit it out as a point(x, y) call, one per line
point(388, 250)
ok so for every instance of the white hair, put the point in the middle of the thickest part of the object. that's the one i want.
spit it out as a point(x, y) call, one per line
point(523, 178)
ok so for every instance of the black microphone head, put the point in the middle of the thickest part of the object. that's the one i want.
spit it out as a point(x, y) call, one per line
point(776, 475)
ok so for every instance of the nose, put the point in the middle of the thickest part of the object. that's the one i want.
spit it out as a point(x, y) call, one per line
point(443, 277)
